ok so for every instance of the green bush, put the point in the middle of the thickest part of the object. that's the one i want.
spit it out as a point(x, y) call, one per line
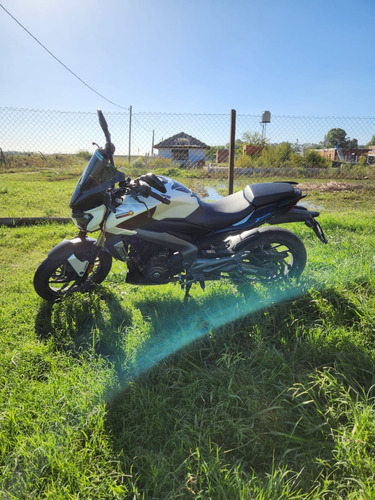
point(156, 163)
point(83, 155)
point(246, 161)
point(178, 173)
point(277, 156)
point(26, 161)
point(283, 155)
point(138, 163)
point(362, 162)
point(34, 162)
point(312, 159)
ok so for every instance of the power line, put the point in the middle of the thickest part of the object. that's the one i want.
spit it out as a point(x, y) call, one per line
point(59, 61)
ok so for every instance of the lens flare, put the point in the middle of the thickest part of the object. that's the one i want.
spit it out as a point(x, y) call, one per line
point(201, 316)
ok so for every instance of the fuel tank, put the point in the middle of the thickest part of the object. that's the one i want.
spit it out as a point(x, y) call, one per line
point(132, 214)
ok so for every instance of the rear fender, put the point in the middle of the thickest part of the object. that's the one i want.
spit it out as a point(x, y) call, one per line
point(300, 214)
point(296, 214)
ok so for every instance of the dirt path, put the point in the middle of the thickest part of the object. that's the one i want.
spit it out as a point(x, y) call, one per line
point(332, 186)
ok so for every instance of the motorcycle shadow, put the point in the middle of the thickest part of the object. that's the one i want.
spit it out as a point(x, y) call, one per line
point(137, 332)
point(242, 376)
point(94, 322)
point(152, 326)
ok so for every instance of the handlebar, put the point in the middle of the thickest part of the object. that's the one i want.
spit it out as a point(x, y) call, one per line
point(159, 197)
point(142, 185)
point(144, 189)
point(138, 187)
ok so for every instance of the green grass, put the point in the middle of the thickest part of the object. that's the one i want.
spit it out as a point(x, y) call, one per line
point(42, 187)
point(127, 392)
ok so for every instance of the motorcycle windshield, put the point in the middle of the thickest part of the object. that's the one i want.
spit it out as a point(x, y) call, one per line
point(97, 177)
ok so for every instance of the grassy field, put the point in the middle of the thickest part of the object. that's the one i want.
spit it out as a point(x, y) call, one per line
point(37, 187)
point(248, 393)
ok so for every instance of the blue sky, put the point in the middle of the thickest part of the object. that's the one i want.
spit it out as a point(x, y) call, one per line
point(293, 57)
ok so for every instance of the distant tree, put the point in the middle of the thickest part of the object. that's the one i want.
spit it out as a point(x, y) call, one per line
point(353, 144)
point(336, 137)
point(314, 145)
point(372, 141)
point(254, 139)
point(238, 144)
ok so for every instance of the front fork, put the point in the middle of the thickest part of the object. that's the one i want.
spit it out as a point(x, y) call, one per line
point(85, 268)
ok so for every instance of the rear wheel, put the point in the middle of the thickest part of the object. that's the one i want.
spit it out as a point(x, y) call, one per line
point(272, 254)
point(54, 279)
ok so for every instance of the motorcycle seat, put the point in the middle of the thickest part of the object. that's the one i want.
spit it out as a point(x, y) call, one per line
point(223, 212)
point(235, 207)
point(271, 192)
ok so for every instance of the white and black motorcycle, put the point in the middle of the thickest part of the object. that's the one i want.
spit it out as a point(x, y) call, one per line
point(164, 232)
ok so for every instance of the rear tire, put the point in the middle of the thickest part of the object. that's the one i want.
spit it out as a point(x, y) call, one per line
point(54, 279)
point(272, 254)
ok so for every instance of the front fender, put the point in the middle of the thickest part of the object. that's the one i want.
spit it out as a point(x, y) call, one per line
point(66, 248)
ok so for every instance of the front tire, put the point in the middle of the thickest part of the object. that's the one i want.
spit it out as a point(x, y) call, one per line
point(272, 254)
point(55, 278)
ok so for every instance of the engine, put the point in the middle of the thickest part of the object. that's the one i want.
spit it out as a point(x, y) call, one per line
point(150, 263)
point(157, 270)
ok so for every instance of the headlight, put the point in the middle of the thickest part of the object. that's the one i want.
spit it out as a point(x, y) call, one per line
point(81, 220)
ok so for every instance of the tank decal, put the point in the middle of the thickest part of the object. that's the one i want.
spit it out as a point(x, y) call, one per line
point(126, 214)
point(137, 221)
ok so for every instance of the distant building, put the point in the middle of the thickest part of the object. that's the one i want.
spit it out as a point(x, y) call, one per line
point(371, 155)
point(250, 150)
point(222, 156)
point(343, 155)
point(183, 149)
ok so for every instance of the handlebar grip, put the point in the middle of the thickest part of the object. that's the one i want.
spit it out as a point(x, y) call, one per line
point(159, 197)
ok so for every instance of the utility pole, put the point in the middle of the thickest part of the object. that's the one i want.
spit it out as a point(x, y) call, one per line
point(2, 157)
point(130, 132)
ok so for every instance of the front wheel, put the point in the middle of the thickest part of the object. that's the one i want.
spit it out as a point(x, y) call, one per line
point(272, 254)
point(55, 278)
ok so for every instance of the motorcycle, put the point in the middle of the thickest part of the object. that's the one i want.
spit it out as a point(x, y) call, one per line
point(165, 233)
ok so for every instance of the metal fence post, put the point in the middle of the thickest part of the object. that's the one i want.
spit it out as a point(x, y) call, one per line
point(130, 133)
point(232, 150)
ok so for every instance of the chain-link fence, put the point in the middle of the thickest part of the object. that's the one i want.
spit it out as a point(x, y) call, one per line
point(135, 134)
point(191, 145)
point(140, 135)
